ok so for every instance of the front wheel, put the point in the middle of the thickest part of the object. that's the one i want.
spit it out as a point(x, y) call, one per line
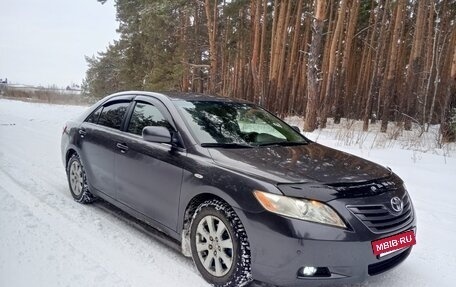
point(220, 248)
point(78, 181)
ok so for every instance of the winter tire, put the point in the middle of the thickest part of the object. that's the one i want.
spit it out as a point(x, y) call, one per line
point(219, 244)
point(77, 181)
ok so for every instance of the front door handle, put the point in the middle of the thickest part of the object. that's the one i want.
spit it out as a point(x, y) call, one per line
point(123, 147)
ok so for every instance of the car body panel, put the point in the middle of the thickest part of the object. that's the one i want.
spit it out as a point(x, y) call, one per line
point(148, 178)
point(346, 252)
point(302, 163)
point(99, 143)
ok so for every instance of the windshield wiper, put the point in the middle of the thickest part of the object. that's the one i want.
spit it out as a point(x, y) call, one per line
point(283, 143)
point(227, 145)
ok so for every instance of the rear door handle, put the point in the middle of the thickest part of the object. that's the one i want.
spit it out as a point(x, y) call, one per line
point(123, 147)
point(82, 133)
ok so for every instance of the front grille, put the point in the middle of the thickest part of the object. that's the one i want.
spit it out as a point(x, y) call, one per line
point(385, 265)
point(379, 218)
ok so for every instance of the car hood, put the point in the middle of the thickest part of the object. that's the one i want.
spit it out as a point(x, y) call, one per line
point(299, 164)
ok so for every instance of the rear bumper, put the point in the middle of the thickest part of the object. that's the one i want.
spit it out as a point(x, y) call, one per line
point(281, 246)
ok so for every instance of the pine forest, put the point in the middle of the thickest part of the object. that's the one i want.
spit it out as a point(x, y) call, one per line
point(369, 60)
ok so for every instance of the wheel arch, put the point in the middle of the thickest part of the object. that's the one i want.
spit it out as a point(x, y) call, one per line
point(69, 153)
point(188, 213)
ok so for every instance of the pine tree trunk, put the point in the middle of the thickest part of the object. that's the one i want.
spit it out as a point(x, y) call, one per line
point(279, 95)
point(325, 59)
point(366, 74)
point(256, 49)
point(293, 63)
point(415, 66)
point(279, 34)
point(430, 59)
point(331, 92)
point(262, 72)
point(447, 128)
point(345, 89)
point(184, 53)
point(390, 88)
point(313, 70)
point(212, 24)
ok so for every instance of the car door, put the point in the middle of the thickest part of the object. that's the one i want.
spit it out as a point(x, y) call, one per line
point(98, 138)
point(148, 175)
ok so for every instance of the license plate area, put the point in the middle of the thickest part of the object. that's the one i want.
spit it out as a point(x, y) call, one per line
point(381, 255)
point(391, 244)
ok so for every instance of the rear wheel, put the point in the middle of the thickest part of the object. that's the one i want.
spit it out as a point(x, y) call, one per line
point(220, 247)
point(78, 181)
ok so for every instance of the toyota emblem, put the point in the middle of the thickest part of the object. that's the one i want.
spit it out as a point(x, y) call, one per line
point(397, 204)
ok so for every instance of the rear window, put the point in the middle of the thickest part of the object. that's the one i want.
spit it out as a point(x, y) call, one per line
point(112, 115)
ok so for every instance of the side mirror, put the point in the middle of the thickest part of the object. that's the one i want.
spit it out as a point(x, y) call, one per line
point(296, 128)
point(156, 134)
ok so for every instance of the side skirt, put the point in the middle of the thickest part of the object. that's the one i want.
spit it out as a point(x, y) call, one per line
point(138, 220)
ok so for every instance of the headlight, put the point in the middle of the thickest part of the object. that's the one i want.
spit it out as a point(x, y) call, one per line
point(303, 209)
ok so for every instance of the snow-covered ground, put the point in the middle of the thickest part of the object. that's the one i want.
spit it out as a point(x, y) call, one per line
point(47, 239)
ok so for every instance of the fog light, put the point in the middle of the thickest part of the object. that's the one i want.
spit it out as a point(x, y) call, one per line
point(308, 271)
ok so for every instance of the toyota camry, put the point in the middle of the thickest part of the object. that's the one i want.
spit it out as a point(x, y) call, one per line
point(247, 196)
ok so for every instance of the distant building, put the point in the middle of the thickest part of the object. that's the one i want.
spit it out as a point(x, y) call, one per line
point(73, 87)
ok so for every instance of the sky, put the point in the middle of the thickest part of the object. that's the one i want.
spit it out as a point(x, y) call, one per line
point(43, 42)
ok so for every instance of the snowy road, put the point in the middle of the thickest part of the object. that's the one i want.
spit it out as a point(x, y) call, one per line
point(46, 239)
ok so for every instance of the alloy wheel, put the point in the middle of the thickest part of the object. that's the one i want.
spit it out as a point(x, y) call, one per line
point(76, 178)
point(214, 246)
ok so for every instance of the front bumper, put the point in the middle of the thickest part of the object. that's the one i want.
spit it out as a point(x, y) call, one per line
point(281, 246)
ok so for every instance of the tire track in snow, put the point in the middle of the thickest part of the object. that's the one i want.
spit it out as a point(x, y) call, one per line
point(83, 241)
point(28, 243)
point(58, 196)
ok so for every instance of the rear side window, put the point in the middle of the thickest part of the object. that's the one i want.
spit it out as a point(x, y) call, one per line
point(146, 115)
point(112, 115)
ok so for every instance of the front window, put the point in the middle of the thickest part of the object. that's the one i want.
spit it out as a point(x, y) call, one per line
point(146, 115)
point(213, 122)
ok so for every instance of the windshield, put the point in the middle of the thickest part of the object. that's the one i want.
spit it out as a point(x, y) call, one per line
point(236, 124)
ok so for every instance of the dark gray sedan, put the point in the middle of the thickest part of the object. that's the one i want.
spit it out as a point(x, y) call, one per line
point(246, 195)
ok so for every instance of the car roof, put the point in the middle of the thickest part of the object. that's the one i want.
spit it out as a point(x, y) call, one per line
point(174, 96)
point(177, 96)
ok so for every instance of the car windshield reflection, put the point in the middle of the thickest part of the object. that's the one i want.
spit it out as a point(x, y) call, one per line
point(226, 124)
